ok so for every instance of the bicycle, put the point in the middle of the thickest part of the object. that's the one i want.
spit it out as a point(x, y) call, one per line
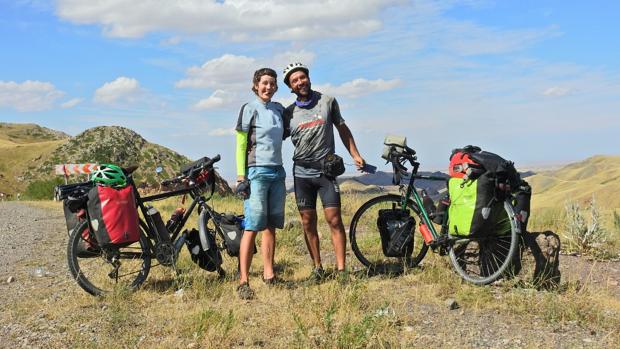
point(98, 270)
point(479, 258)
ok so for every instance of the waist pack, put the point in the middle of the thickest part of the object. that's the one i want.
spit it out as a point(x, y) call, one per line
point(113, 215)
point(232, 230)
point(477, 188)
point(331, 165)
point(396, 230)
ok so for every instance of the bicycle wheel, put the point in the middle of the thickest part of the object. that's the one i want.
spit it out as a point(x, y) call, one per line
point(485, 258)
point(99, 271)
point(366, 239)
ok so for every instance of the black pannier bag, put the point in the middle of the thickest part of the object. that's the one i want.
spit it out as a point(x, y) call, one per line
point(209, 259)
point(523, 197)
point(232, 231)
point(498, 168)
point(74, 200)
point(396, 230)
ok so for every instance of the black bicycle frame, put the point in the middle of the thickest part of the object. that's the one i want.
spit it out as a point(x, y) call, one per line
point(193, 191)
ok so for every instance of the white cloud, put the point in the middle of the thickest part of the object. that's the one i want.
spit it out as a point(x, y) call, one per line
point(231, 76)
point(557, 91)
point(225, 71)
point(359, 87)
point(28, 95)
point(71, 103)
point(235, 72)
point(122, 89)
point(218, 99)
point(235, 19)
point(220, 132)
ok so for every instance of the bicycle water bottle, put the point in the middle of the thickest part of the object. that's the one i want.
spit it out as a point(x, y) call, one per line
point(442, 208)
point(428, 203)
point(158, 224)
point(426, 233)
point(175, 219)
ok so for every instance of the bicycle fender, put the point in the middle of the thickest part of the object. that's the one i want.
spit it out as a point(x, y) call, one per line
point(205, 242)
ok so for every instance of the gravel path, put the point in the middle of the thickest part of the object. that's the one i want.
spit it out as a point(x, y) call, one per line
point(32, 246)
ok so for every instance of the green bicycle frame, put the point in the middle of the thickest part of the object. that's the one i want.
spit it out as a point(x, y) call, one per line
point(411, 191)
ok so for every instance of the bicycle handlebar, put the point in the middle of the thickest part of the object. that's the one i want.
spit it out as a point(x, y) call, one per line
point(193, 172)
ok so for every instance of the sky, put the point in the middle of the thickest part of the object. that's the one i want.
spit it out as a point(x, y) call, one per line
point(537, 82)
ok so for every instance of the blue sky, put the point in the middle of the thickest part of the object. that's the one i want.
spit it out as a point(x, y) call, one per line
point(536, 81)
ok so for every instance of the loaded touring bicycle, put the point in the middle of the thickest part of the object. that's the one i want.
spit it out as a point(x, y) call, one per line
point(111, 245)
point(478, 224)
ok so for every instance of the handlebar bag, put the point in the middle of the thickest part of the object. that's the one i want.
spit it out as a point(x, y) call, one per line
point(113, 215)
point(390, 141)
point(396, 231)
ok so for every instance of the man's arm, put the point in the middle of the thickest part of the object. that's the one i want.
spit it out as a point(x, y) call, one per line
point(349, 143)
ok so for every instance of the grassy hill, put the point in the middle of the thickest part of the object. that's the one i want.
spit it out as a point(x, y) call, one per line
point(21, 146)
point(598, 176)
point(29, 154)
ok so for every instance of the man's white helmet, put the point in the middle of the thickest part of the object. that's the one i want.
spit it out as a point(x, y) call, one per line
point(291, 68)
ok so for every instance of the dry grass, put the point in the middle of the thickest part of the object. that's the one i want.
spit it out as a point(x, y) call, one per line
point(195, 309)
point(16, 159)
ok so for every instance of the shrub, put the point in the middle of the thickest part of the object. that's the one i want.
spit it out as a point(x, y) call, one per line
point(42, 189)
point(581, 235)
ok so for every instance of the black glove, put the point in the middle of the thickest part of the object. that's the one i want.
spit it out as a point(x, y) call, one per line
point(243, 189)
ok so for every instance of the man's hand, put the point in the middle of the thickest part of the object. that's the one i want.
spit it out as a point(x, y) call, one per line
point(359, 162)
point(243, 189)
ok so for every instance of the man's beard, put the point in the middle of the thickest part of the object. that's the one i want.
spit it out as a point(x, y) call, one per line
point(307, 95)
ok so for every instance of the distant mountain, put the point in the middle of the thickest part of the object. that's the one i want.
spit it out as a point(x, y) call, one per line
point(383, 180)
point(104, 144)
point(597, 176)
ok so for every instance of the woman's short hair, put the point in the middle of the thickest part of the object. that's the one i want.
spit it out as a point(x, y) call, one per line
point(259, 73)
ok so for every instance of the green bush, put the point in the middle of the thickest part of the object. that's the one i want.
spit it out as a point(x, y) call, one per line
point(42, 189)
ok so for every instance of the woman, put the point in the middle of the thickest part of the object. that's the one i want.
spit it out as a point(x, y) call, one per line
point(260, 176)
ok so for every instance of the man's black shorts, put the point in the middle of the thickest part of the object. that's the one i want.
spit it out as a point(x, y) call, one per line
point(306, 190)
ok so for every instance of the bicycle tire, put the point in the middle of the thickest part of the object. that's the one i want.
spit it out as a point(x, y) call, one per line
point(91, 268)
point(366, 239)
point(485, 259)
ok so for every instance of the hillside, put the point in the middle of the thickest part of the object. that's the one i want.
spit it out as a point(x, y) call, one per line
point(40, 149)
point(598, 176)
point(12, 134)
point(20, 145)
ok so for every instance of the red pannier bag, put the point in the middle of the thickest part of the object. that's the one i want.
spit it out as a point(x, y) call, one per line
point(113, 215)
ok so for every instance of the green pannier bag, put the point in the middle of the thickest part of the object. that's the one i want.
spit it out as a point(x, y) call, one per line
point(473, 209)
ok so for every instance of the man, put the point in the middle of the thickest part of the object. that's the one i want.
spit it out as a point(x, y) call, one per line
point(312, 117)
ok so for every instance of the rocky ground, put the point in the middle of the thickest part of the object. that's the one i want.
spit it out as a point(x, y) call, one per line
point(35, 284)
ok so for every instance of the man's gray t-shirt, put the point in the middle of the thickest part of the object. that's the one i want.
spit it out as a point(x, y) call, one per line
point(312, 131)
